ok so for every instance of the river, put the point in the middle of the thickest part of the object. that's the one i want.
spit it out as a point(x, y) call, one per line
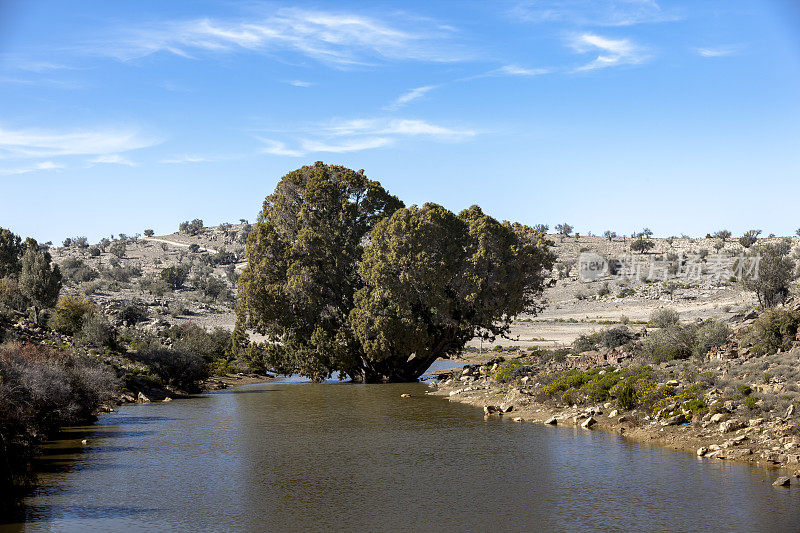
point(301, 456)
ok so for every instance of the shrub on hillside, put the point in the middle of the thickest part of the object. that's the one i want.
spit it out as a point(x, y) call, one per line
point(710, 334)
point(175, 368)
point(663, 318)
point(77, 271)
point(69, 314)
point(41, 390)
point(192, 228)
point(96, 331)
point(772, 331)
point(587, 342)
point(133, 312)
point(673, 342)
point(175, 276)
point(614, 337)
point(11, 296)
point(191, 338)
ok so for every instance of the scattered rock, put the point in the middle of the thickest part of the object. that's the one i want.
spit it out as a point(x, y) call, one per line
point(405, 396)
point(730, 425)
point(167, 399)
point(84, 442)
point(588, 423)
point(613, 413)
point(141, 398)
point(552, 421)
point(781, 481)
point(702, 451)
point(717, 418)
point(518, 419)
point(506, 407)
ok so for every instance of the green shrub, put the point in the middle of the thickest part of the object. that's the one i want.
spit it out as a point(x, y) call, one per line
point(174, 368)
point(96, 331)
point(664, 318)
point(69, 314)
point(710, 334)
point(744, 390)
point(614, 337)
point(774, 330)
point(11, 295)
point(750, 402)
point(587, 342)
point(604, 290)
point(674, 342)
point(175, 276)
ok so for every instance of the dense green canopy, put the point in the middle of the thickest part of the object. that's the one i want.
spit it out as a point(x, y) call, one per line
point(342, 278)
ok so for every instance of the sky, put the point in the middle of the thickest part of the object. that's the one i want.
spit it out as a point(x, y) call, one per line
point(680, 116)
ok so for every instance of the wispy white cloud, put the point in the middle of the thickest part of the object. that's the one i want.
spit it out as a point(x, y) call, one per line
point(338, 39)
point(516, 70)
point(593, 12)
point(410, 96)
point(361, 134)
point(612, 52)
point(112, 159)
point(718, 51)
point(42, 165)
point(176, 160)
point(274, 147)
point(300, 83)
point(22, 144)
point(351, 145)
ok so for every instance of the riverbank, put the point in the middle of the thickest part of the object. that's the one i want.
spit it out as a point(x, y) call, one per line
point(765, 439)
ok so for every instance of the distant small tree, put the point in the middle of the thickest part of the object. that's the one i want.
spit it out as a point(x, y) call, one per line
point(175, 276)
point(243, 221)
point(39, 278)
point(81, 242)
point(11, 250)
point(541, 228)
point(642, 245)
point(610, 235)
point(194, 248)
point(67, 242)
point(192, 228)
point(118, 248)
point(564, 230)
point(775, 272)
point(104, 243)
point(647, 233)
point(719, 245)
point(749, 238)
point(722, 234)
point(149, 233)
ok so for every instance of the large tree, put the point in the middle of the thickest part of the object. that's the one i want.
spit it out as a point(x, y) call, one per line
point(11, 249)
point(302, 270)
point(341, 278)
point(434, 280)
point(39, 278)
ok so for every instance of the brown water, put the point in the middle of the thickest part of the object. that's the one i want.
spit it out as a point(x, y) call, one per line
point(276, 457)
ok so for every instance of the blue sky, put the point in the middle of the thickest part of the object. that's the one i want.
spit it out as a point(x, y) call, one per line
point(682, 116)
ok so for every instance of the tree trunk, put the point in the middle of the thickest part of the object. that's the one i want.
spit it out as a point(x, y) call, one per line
point(394, 370)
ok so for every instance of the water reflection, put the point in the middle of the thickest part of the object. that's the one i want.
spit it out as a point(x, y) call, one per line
point(282, 456)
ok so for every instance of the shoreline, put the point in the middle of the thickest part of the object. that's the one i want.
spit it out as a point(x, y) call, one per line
point(738, 445)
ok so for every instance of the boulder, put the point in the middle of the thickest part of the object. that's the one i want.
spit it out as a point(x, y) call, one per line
point(506, 407)
point(588, 423)
point(141, 398)
point(702, 451)
point(552, 421)
point(730, 425)
point(781, 481)
point(613, 413)
point(167, 399)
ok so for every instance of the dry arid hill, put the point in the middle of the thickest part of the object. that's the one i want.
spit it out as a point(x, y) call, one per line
point(213, 257)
